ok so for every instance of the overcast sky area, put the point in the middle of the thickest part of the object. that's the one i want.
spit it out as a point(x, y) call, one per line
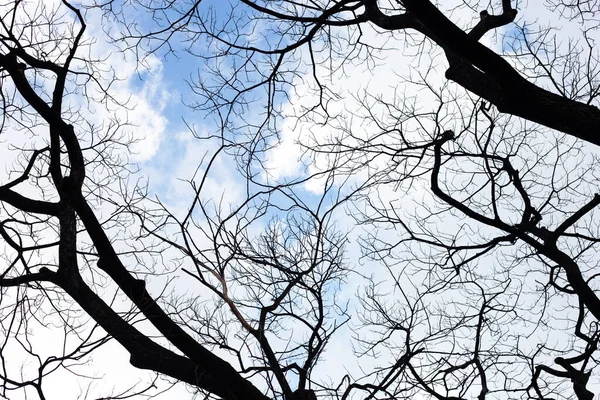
point(174, 143)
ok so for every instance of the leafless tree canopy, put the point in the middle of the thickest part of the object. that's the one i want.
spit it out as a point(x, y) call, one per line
point(444, 229)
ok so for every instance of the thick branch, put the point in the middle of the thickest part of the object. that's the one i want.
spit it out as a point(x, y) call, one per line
point(28, 205)
point(214, 369)
point(489, 22)
point(43, 275)
point(576, 216)
point(51, 116)
point(145, 353)
point(485, 73)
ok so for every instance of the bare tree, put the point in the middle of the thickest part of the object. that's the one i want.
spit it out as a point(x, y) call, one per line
point(62, 259)
point(491, 290)
point(495, 280)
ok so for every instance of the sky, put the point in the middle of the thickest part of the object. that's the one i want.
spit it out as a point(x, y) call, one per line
point(167, 155)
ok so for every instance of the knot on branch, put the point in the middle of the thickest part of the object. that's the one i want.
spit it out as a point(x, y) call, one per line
point(446, 136)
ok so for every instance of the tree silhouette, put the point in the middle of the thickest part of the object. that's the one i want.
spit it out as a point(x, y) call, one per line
point(490, 288)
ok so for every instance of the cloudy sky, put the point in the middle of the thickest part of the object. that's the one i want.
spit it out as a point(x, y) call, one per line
point(168, 154)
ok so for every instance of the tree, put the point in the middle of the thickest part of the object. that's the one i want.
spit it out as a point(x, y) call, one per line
point(269, 264)
point(57, 246)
